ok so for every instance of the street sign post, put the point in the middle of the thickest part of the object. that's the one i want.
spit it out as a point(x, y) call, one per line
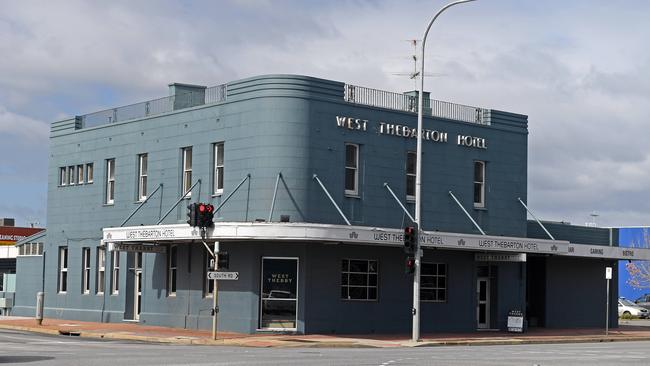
point(223, 275)
point(608, 276)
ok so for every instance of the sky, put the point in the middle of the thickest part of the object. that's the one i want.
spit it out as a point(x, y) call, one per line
point(580, 71)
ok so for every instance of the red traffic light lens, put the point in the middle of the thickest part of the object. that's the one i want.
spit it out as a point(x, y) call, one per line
point(210, 208)
point(201, 208)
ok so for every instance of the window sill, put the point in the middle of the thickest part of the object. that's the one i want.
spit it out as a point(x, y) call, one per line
point(108, 204)
point(478, 208)
point(352, 195)
point(410, 199)
point(360, 300)
point(218, 194)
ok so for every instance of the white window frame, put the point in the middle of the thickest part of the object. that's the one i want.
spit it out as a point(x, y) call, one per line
point(115, 273)
point(479, 183)
point(186, 175)
point(110, 181)
point(217, 172)
point(85, 270)
point(411, 174)
point(347, 272)
point(172, 270)
point(101, 270)
point(143, 167)
point(63, 176)
point(89, 173)
point(80, 174)
point(71, 175)
point(435, 287)
point(355, 191)
point(63, 270)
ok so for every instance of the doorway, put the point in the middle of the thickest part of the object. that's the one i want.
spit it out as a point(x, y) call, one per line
point(483, 302)
point(279, 294)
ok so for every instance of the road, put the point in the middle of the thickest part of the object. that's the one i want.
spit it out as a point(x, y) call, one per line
point(34, 349)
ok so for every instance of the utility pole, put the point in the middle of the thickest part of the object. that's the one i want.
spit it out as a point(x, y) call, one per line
point(418, 182)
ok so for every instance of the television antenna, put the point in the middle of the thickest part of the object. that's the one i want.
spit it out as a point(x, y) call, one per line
point(415, 73)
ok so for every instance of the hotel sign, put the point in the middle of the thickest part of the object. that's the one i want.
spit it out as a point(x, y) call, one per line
point(393, 129)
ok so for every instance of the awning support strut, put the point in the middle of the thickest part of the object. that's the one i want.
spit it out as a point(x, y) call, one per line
point(466, 213)
point(179, 201)
point(399, 202)
point(141, 204)
point(539, 222)
point(332, 200)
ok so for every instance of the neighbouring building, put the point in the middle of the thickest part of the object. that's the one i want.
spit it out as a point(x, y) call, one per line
point(9, 235)
point(308, 177)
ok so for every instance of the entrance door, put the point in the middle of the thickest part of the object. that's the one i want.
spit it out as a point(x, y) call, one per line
point(483, 303)
point(137, 285)
point(279, 298)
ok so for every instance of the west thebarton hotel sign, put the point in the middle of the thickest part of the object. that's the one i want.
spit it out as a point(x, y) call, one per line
point(393, 129)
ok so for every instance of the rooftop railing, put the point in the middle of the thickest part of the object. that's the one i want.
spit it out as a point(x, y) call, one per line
point(153, 107)
point(409, 103)
point(353, 94)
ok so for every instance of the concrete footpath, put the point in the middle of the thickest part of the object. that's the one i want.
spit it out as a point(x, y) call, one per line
point(629, 331)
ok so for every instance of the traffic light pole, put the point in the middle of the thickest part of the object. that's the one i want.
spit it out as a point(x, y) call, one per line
point(215, 295)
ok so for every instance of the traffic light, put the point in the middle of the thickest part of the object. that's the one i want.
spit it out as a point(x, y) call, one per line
point(224, 260)
point(205, 213)
point(410, 265)
point(410, 239)
point(209, 215)
point(192, 215)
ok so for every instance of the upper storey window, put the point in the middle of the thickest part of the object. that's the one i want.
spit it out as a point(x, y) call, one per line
point(411, 160)
point(218, 168)
point(479, 184)
point(110, 181)
point(352, 169)
point(187, 170)
point(142, 176)
point(89, 173)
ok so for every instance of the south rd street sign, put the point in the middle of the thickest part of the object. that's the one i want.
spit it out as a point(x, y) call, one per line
point(223, 276)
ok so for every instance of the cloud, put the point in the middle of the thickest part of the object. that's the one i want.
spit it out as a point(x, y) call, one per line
point(578, 69)
point(13, 125)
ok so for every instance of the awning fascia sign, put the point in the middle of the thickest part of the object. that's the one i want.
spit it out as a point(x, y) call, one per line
point(306, 232)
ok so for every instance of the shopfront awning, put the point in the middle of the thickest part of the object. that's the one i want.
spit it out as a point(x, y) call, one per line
point(363, 235)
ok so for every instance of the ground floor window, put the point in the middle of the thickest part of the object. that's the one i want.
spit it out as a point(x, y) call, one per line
point(172, 270)
point(279, 300)
point(359, 279)
point(433, 282)
point(208, 285)
point(63, 269)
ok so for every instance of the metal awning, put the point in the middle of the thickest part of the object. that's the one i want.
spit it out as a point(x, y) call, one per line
point(363, 235)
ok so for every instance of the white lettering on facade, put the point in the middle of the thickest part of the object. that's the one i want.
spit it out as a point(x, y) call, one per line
point(472, 141)
point(406, 131)
point(150, 234)
point(352, 123)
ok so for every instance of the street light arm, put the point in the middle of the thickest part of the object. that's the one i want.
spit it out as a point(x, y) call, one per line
point(418, 175)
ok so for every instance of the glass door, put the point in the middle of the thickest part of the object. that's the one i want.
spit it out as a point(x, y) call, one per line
point(137, 288)
point(279, 297)
point(483, 303)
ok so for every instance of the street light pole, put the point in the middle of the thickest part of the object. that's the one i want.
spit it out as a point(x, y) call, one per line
point(418, 182)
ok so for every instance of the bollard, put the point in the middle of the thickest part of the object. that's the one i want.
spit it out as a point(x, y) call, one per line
point(40, 297)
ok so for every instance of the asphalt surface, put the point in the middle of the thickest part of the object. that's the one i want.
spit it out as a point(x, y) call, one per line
point(22, 348)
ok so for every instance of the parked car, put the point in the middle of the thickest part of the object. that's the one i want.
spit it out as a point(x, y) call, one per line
point(627, 307)
point(643, 301)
